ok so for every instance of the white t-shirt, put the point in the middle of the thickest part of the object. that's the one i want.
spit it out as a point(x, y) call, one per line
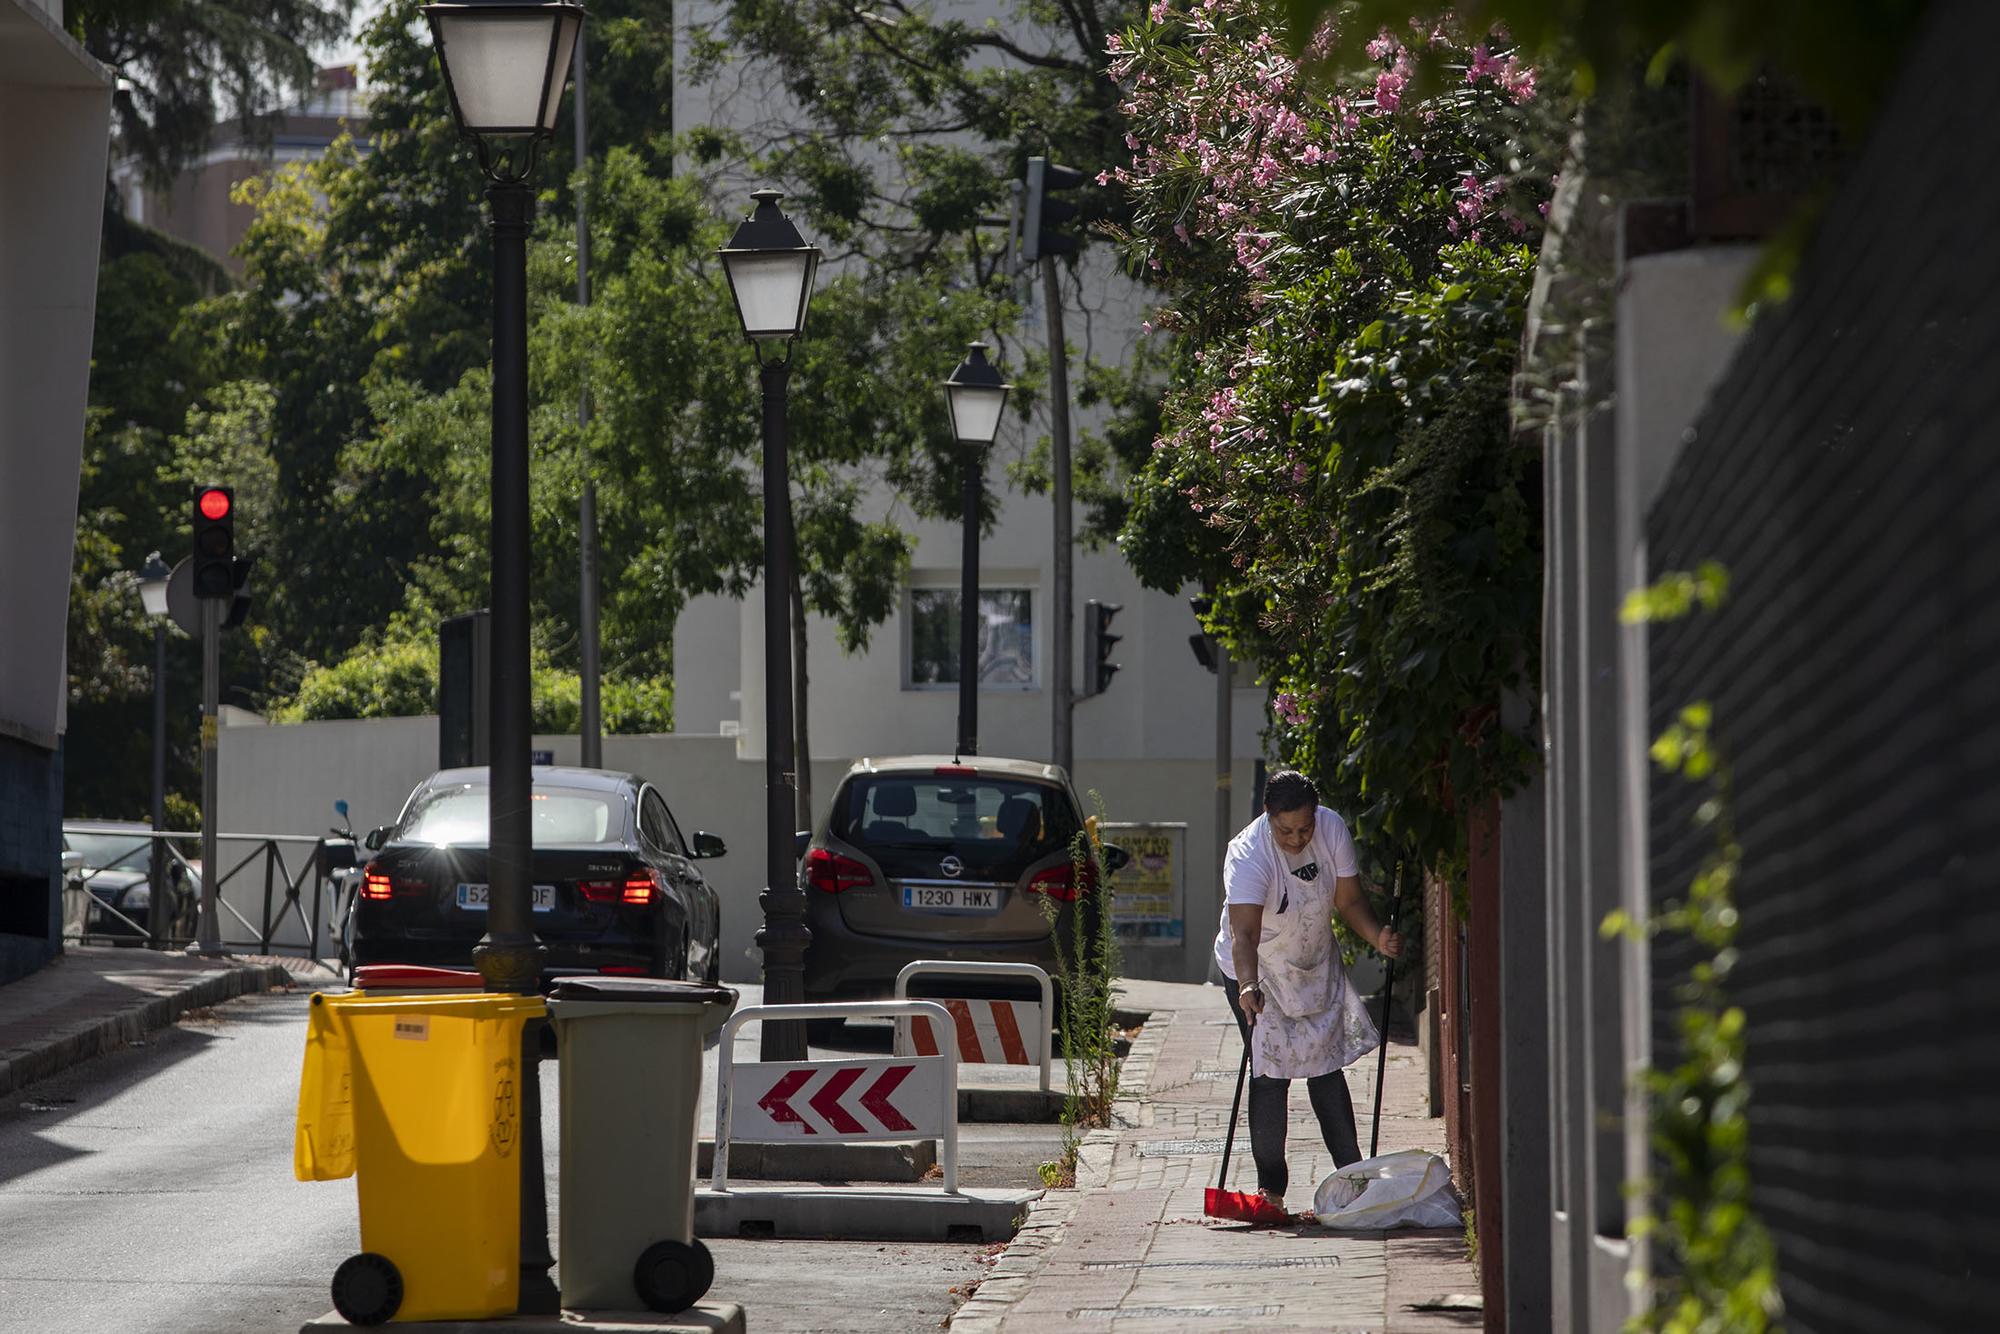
point(1255, 869)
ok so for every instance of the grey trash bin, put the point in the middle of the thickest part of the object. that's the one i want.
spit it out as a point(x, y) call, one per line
point(630, 1061)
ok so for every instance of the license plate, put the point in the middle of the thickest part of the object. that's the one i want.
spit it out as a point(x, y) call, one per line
point(473, 897)
point(952, 898)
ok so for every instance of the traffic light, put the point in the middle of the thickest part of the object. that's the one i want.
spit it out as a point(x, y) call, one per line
point(1043, 214)
point(239, 605)
point(1204, 649)
point(214, 542)
point(1097, 644)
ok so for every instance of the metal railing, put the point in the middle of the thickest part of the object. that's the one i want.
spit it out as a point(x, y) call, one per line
point(286, 880)
point(944, 968)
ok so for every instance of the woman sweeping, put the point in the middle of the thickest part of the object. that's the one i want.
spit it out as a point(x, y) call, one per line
point(1284, 878)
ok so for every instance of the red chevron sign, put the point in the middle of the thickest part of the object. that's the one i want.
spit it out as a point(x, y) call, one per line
point(775, 1102)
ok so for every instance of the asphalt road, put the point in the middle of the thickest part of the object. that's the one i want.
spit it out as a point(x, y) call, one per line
point(151, 1190)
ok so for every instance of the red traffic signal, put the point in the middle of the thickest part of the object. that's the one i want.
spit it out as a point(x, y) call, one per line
point(214, 543)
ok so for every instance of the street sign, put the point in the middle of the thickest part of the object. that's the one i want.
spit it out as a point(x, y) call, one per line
point(778, 1102)
point(182, 604)
point(990, 1032)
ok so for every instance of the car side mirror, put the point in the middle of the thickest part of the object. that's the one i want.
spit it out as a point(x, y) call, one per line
point(72, 861)
point(1116, 858)
point(800, 842)
point(709, 845)
point(376, 837)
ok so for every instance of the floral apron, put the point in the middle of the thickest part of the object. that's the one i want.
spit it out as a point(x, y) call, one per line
point(1313, 1022)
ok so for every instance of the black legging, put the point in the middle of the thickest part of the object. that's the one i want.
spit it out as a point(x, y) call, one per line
point(1269, 1112)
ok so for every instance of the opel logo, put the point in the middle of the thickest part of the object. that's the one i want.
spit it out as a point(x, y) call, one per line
point(952, 867)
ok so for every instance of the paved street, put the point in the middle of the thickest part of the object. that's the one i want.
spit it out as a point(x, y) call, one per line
point(151, 1190)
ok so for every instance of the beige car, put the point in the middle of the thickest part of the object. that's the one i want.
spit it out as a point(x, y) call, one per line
point(933, 857)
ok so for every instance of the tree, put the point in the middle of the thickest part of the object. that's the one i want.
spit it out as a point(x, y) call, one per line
point(1347, 266)
point(183, 64)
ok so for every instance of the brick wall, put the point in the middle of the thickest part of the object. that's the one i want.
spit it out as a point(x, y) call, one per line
point(1848, 473)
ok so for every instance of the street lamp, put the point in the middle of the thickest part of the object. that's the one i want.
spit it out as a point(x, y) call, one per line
point(770, 270)
point(505, 68)
point(975, 395)
point(153, 578)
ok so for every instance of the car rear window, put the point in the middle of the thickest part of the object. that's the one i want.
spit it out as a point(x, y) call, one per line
point(997, 825)
point(456, 814)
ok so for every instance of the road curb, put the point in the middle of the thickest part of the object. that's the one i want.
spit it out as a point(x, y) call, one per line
point(702, 1318)
point(104, 1033)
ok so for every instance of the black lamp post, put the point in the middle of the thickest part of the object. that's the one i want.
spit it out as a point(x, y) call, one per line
point(975, 394)
point(770, 270)
point(505, 67)
point(153, 578)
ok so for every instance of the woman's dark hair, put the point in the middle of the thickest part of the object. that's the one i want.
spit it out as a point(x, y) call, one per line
point(1289, 790)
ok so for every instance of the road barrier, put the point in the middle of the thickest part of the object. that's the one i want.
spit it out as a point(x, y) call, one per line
point(988, 1032)
point(783, 1102)
point(318, 879)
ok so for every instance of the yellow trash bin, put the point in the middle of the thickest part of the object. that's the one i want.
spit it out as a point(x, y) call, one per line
point(418, 1098)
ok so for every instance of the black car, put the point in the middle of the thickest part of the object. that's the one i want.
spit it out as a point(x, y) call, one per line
point(112, 870)
point(616, 888)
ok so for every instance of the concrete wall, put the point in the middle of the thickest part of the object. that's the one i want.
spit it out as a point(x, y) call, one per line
point(56, 104)
point(285, 779)
point(1576, 1008)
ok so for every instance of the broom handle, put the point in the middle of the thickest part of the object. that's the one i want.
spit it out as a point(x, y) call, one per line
point(1382, 1056)
point(1229, 1140)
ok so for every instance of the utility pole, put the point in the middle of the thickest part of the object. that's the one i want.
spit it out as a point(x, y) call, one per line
point(590, 725)
point(1064, 701)
point(208, 935)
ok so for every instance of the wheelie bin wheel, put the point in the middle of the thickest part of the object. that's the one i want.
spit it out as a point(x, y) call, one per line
point(672, 1275)
point(367, 1289)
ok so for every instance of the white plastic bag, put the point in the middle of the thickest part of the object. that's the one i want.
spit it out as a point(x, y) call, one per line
point(1408, 1188)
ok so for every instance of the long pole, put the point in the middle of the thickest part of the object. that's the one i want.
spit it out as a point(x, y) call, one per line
point(590, 725)
point(784, 936)
point(510, 958)
point(1224, 765)
point(157, 916)
point(968, 606)
point(208, 935)
point(1062, 747)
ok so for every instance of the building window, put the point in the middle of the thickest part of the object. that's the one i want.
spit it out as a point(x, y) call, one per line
point(1006, 638)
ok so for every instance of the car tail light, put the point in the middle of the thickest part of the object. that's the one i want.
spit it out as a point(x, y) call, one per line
point(955, 771)
point(1060, 882)
point(831, 873)
point(375, 884)
point(600, 891)
point(640, 891)
point(622, 970)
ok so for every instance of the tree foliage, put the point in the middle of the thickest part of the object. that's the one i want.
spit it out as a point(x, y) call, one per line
point(1346, 267)
point(183, 65)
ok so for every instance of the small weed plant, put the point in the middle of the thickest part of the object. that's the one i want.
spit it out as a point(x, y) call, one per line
point(1086, 947)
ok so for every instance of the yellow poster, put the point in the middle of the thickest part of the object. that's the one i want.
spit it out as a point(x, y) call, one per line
point(1147, 893)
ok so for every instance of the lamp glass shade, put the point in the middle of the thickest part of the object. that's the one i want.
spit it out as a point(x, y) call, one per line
point(975, 412)
point(506, 65)
point(771, 288)
point(153, 580)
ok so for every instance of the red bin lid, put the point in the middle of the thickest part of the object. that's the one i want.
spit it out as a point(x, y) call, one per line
point(414, 976)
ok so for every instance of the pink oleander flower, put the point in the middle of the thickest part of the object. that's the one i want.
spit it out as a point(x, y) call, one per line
point(1159, 11)
point(1518, 79)
point(1382, 46)
point(1483, 65)
point(1389, 90)
point(1267, 171)
point(1312, 155)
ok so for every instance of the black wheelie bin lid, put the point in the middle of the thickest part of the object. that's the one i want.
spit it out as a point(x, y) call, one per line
point(640, 991)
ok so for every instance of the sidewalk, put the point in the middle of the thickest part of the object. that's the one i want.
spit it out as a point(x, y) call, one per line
point(93, 999)
point(1129, 1250)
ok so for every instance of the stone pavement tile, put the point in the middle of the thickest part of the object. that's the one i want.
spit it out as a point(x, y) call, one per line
point(1130, 1250)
